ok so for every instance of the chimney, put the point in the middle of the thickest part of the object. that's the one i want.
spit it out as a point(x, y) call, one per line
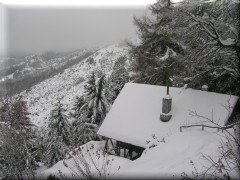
point(165, 116)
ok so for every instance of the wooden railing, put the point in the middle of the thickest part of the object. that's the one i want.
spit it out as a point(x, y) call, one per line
point(206, 126)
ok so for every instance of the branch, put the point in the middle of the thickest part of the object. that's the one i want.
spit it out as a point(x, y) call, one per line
point(213, 33)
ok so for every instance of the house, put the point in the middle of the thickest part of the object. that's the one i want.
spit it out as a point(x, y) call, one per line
point(142, 110)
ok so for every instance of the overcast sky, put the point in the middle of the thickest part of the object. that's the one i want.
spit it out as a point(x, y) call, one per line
point(36, 30)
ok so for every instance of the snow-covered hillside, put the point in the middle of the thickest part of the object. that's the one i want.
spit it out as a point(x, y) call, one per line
point(69, 84)
point(32, 65)
point(180, 152)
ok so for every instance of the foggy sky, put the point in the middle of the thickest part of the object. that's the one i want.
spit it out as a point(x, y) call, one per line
point(36, 30)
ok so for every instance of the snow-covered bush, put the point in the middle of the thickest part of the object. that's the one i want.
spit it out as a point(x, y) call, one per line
point(89, 162)
point(153, 142)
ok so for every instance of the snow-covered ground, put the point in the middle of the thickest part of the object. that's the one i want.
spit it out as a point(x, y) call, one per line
point(181, 152)
point(178, 154)
point(68, 84)
point(90, 158)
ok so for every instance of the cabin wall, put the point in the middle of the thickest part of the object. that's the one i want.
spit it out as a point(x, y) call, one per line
point(128, 150)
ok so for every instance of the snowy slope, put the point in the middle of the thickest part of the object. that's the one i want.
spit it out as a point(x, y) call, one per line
point(68, 84)
point(32, 65)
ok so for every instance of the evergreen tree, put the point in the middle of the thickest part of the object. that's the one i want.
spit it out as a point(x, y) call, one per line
point(214, 56)
point(89, 111)
point(77, 127)
point(117, 79)
point(194, 42)
point(160, 45)
point(59, 123)
point(40, 144)
point(83, 131)
point(56, 148)
point(17, 158)
point(58, 136)
point(95, 98)
point(90, 85)
point(78, 107)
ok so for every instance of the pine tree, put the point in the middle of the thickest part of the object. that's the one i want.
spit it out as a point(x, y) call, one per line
point(56, 149)
point(17, 140)
point(58, 135)
point(89, 111)
point(117, 79)
point(77, 127)
point(95, 97)
point(160, 45)
point(213, 38)
point(78, 106)
point(82, 130)
point(59, 123)
point(90, 85)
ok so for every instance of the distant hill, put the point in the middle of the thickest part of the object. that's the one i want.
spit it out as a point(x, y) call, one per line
point(18, 74)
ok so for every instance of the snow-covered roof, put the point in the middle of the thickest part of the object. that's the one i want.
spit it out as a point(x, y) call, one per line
point(135, 114)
